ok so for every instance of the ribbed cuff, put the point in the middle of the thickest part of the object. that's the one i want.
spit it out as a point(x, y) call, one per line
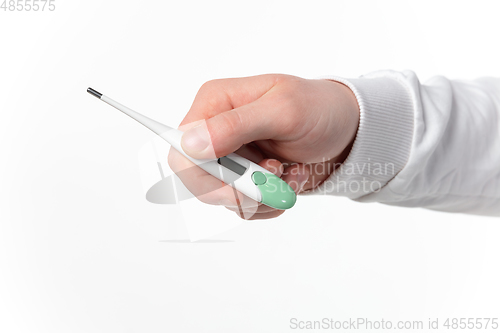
point(383, 141)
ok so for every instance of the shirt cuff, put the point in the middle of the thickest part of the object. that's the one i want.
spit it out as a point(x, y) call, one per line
point(383, 140)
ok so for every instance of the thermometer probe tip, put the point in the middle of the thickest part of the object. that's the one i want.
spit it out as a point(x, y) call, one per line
point(94, 92)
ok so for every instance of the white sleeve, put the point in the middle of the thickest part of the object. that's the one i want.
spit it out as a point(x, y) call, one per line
point(434, 145)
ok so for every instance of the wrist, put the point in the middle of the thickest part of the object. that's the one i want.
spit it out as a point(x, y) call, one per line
point(352, 115)
point(348, 114)
point(383, 139)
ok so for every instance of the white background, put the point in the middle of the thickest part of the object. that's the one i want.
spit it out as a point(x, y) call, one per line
point(81, 250)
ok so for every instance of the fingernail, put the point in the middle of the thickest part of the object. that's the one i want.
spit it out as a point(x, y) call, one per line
point(196, 139)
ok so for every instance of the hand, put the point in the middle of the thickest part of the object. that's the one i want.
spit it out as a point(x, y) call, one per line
point(297, 128)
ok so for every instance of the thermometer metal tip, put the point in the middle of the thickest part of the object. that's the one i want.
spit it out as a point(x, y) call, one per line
point(94, 93)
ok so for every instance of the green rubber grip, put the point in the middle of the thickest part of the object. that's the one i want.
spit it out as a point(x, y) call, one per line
point(276, 193)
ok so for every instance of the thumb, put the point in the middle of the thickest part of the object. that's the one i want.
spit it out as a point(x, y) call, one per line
point(228, 131)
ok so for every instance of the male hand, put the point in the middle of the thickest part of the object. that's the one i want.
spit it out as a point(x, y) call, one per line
point(297, 128)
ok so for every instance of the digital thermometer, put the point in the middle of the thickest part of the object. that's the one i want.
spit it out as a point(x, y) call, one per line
point(245, 176)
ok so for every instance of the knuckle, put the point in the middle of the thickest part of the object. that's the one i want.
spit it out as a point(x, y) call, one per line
point(292, 93)
point(212, 95)
point(208, 86)
point(230, 123)
point(212, 86)
point(290, 82)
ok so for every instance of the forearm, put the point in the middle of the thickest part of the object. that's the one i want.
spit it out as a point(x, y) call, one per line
point(435, 145)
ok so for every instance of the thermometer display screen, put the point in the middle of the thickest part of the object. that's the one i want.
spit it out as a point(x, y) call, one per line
point(232, 165)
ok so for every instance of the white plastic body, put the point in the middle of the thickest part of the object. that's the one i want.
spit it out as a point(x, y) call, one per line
point(242, 183)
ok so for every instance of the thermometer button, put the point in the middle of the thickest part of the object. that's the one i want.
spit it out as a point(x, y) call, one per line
point(259, 178)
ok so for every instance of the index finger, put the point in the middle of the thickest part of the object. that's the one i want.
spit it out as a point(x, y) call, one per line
point(223, 95)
